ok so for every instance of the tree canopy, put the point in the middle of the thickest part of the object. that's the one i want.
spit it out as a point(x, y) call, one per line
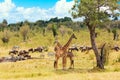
point(95, 11)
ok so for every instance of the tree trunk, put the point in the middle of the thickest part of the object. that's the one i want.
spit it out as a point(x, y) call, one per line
point(93, 43)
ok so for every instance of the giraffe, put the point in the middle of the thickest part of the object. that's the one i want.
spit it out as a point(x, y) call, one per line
point(69, 54)
point(61, 51)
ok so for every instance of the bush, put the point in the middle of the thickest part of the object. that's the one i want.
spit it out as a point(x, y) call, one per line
point(54, 30)
point(5, 40)
point(6, 36)
point(24, 31)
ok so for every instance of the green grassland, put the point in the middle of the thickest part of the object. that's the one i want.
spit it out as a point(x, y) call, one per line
point(42, 68)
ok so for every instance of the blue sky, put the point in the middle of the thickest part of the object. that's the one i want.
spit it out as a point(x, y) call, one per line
point(33, 10)
point(38, 3)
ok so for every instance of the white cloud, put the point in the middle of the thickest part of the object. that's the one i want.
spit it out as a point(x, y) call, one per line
point(106, 9)
point(13, 14)
point(62, 7)
point(6, 7)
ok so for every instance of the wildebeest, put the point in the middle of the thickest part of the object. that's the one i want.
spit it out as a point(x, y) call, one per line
point(73, 49)
point(8, 59)
point(85, 48)
point(24, 53)
point(13, 51)
point(116, 48)
point(38, 49)
point(31, 50)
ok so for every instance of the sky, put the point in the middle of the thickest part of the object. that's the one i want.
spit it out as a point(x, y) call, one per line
point(32, 10)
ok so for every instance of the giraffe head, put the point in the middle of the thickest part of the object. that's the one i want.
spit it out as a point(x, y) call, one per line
point(73, 36)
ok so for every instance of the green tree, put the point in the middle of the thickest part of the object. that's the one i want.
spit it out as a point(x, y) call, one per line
point(54, 30)
point(6, 36)
point(94, 15)
point(24, 31)
point(4, 23)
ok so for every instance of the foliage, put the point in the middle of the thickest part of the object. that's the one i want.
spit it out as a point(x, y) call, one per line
point(6, 36)
point(92, 10)
point(65, 19)
point(114, 31)
point(4, 23)
point(54, 30)
point(24, 31)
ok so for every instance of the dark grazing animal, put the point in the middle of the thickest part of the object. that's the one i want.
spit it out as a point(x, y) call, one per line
point(31, 50)
point(73, 49)
point(13, 51)
point(24, 54)
point(38, 49)
point(116, 48)
point(85, 48)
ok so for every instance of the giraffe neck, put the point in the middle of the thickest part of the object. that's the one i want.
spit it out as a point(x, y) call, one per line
point(59, 45)
point(65, 47)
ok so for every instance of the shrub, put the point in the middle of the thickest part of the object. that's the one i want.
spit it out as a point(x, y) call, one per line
point(6, 36)
point(24, 31)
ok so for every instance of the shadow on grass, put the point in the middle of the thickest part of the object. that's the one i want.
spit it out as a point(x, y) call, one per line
point(78, 70)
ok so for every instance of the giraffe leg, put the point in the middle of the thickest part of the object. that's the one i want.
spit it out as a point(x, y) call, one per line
point(64, 60)
point(71, 63)
point(56, 63)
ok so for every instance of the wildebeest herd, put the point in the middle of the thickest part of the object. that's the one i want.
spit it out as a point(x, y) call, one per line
point(18, 55)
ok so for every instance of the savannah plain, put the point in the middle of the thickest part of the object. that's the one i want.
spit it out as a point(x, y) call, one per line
point(42, 68)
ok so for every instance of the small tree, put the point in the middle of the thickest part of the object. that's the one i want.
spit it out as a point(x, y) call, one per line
point(24, 31)
point(44, 31)
point(6, 36)
point(4, 23)
point(54, 30)
point(115, 34)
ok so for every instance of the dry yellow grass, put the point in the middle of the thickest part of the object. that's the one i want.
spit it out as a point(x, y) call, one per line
point(42, 69)
point(76, 76)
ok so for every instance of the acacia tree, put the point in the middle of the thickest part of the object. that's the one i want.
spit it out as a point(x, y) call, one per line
point(95, 12)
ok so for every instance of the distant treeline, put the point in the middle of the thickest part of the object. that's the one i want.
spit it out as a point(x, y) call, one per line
point(66, 21)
